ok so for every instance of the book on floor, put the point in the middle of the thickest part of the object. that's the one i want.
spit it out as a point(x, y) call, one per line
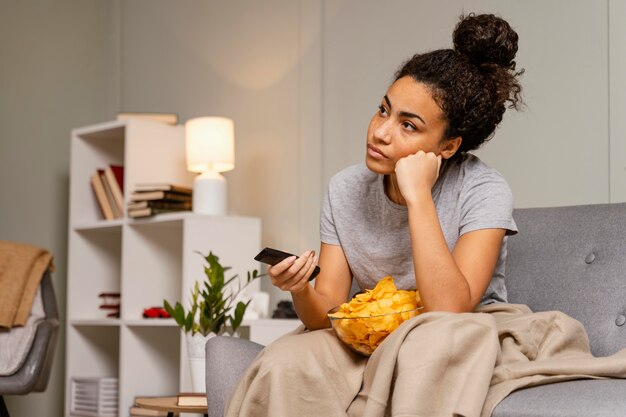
point(191, 399)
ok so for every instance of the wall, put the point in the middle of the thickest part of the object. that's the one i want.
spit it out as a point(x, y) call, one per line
point(55, 73)
point(617, 100)
point(256, 62)
point(554, 152)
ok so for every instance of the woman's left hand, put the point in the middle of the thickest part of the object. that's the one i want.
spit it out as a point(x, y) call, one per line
point(417, 173)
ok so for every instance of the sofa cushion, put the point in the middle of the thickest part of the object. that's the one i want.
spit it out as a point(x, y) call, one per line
point(227, 358)
point(573, 259)
point(584, 398)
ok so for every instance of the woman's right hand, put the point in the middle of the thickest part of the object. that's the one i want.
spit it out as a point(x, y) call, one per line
point(292, 274)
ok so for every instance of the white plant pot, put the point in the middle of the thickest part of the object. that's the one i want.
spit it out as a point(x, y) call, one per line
point(196, 352)
point(197, 359)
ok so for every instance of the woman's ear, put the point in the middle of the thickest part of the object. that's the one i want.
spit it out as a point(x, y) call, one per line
point(450, 146)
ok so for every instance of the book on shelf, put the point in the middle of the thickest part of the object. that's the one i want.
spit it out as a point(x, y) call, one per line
point(159, 195)
point(140, 411)
point(115, 184)
point(103, 202)
point(167, 118)
point(118, 171)
point(157, 186)
point(117, 211)
point(191, 399)
point(150, 211)
point(159, 204)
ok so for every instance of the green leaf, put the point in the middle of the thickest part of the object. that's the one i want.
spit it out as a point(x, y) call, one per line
point(168, 308)
point(178, 312)
point(237, 317)
point(188, 325)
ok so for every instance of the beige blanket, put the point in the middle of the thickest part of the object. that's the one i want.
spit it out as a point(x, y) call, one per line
point(533, 349)
point(436, 364)
point(21, 269)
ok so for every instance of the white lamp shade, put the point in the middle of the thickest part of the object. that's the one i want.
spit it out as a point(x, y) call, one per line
point(210, 144)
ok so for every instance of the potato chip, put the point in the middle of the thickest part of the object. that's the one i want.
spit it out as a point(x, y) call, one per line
point(365, 321)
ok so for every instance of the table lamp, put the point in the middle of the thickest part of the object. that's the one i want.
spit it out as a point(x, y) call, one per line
point(210, 146)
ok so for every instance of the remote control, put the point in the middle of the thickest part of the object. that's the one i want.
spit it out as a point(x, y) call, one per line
point(273, 256)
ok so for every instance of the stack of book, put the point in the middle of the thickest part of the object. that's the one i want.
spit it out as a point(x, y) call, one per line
point(108, 187)
point(150, 199)
point(110, 302)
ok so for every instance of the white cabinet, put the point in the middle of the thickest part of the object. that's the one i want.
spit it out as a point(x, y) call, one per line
point(145, 260)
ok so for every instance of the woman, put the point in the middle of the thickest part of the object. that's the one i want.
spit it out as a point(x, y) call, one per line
point(421, 209)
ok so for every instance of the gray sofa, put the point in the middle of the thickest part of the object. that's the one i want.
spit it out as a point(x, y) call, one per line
point(571, 259)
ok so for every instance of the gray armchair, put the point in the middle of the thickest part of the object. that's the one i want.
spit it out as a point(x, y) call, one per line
point(33, 375)
point(571, 259)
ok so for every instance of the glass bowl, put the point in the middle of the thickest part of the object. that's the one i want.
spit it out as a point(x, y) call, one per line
point(363, 334)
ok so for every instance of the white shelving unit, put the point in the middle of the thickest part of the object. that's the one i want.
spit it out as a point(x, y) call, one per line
point(145, 260)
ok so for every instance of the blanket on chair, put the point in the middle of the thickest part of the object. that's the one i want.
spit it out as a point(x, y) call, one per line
point(21, 308)
point(504, 347)
point(15, 343)
point(21, 269)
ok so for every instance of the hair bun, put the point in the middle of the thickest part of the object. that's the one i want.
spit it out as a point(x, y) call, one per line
point(486, 39)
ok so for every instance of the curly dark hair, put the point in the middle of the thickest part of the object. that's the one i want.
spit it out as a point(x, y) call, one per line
point(474, 82)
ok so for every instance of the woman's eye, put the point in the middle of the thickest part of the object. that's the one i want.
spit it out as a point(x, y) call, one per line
point(409, 126)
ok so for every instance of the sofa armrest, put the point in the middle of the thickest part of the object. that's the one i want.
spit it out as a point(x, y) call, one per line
point(227, 358)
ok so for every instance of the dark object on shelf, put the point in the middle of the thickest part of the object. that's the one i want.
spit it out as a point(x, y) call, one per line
point(155, 313)
point(109, 298)
point(284, 310)
point(111, 302)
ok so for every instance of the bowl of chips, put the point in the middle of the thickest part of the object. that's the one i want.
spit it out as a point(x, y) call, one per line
point(364, 322)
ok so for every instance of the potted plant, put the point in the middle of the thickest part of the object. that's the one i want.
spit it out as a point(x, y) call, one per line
point(214, 309)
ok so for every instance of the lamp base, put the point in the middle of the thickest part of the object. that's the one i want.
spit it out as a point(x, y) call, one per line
point(209, 193)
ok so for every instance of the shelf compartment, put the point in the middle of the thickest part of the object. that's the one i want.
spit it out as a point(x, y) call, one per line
point(152, 268)
point(150, 363)
point(91, 149)
point(94, 351)
point(95, 265)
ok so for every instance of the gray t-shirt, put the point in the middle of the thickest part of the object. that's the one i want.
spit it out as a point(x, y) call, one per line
point(374, 231)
